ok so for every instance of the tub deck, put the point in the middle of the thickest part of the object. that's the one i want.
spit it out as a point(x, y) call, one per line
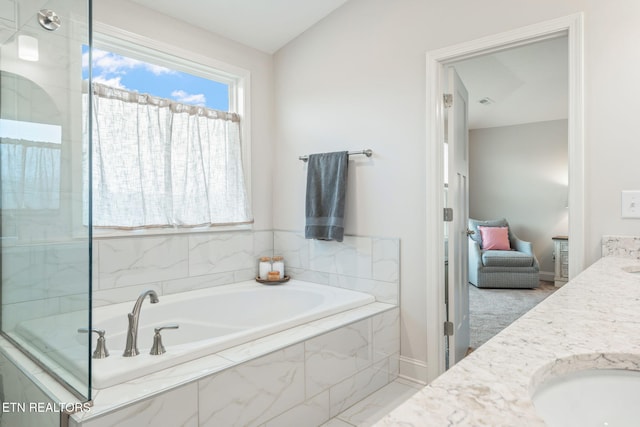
point(124, 394)
point(210, 320)
point(160, 380)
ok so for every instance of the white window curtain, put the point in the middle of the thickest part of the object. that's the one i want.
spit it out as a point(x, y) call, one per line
point(158, 163)
point(30, 175)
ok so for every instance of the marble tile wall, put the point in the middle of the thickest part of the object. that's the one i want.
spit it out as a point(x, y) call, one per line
point(16, 388)
point(335, 356)
point(177, 407)
point(51, 278)
point(43, 279)
point(621, 246)
point(366, 264)
point(314, 380)
point(22, 382)
point(124, 267)
point(305, 383)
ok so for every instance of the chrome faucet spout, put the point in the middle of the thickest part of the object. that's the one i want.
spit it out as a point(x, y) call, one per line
point(131, 349)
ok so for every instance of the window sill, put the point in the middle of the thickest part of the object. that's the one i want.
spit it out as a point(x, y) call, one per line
point(108, 233)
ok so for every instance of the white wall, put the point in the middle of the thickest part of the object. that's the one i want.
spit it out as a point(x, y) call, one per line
point(357, 80)
point(136, 19)
point(521, 173)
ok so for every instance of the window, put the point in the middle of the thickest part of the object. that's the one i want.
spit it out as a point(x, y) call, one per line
point(167, 142)
point(124, 72)
point(30, 156)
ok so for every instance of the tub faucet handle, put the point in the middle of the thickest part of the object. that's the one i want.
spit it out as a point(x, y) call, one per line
point(157, 348)
point(101, 351)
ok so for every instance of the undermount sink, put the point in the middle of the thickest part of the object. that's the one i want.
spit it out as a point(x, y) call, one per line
point(632, 269)
point(590, 398)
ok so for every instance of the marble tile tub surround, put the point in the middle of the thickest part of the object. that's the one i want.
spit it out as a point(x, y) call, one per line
point(281, 379)
point(43, 279)
point(360, 263)
point(590, 322)
point(24, 382)
point(621, 246)
point(126, 266)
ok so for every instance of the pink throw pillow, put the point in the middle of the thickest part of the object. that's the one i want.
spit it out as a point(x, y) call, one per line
point(496, 238)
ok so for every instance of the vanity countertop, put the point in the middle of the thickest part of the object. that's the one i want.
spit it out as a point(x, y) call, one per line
point(593, 321)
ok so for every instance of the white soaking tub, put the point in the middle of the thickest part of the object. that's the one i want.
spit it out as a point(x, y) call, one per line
point(210, 320)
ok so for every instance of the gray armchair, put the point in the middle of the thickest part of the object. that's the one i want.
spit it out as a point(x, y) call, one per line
point(515, 268)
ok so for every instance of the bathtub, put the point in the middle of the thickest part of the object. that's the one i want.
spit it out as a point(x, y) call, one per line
point(210, 320)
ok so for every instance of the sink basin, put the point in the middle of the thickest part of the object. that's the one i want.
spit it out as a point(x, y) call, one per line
point(632, 269)
point(592, 397)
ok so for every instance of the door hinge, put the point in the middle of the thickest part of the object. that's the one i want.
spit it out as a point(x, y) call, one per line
point(448, 214)
point(447, 99)
point(448, 329)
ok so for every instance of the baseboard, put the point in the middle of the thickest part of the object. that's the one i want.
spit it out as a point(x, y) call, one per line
point(413, 370)
point(547, 276)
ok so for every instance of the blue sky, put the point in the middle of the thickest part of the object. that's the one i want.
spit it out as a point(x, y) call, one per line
point(131, 74)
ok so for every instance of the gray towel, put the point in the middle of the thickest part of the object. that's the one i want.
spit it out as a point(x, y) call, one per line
point(326, 191)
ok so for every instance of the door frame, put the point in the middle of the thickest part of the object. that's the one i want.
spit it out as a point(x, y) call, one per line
point(570, 26)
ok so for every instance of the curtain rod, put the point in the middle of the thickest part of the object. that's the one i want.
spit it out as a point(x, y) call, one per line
point(368, 152)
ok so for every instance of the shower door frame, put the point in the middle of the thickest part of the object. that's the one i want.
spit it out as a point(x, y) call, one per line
point(23, 351)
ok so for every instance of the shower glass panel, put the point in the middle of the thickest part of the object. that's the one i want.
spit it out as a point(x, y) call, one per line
point(45, 229)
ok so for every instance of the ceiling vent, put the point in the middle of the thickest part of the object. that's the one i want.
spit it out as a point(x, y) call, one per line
point(486, 101)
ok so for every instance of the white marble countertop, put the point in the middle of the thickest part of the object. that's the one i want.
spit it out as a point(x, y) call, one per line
point(593, 321)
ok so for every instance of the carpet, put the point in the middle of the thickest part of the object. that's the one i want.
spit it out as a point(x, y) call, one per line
point(492, 310)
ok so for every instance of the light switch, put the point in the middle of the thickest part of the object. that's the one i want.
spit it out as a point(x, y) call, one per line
point(630, 204)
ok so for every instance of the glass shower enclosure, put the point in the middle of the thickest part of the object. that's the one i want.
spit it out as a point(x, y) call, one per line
point(45, 256)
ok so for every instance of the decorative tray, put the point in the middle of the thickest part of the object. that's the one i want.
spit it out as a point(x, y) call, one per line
point(273, 282)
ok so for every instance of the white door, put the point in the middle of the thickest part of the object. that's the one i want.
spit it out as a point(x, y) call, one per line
point(458, 200)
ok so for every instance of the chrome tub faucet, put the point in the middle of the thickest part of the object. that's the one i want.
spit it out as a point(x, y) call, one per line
point(131, 348)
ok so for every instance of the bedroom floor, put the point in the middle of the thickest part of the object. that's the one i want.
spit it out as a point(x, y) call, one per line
point(492, 310)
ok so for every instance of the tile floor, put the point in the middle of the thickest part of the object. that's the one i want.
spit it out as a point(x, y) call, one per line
point(373, 408)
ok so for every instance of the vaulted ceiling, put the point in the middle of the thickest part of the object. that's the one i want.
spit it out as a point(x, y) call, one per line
point(266, 25)
point(525, 84)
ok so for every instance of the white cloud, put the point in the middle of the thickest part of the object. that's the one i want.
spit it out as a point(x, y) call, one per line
point(113, 64)
point(112, 82)
point(85, 60)
point(158, 70)
point(188, 98)
point(110, 63)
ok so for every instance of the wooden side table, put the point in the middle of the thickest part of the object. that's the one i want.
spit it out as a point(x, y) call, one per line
point(561, 260)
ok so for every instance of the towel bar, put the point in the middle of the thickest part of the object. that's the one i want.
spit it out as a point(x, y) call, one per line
point(368, 152)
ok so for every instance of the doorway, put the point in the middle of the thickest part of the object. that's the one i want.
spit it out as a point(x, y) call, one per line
point(437, 61)
point(518, 164)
